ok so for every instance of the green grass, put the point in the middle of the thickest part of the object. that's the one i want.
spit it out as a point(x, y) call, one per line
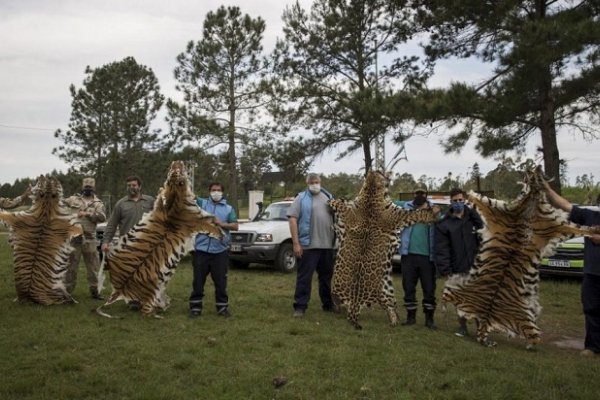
point(69, 352)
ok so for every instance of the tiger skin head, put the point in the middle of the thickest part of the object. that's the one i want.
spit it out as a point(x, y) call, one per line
point(176, 188)
point(533, 185)
point(47, 194)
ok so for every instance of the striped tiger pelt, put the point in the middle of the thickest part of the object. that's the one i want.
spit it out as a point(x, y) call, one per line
point(41, 245)
point(143, 261)
point(368, 231)
point(501, 290)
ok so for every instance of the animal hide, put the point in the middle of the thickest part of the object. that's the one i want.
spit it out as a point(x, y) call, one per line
point(368, 232)
point(41, 246)
point(143, 261)
point(501, 290)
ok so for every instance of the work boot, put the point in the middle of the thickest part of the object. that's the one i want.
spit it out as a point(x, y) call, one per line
point(429, 320)
point(411, 317)
point(224, 313)
point(95, 294)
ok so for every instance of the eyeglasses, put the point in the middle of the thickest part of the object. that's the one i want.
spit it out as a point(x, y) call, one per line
point(458, 200)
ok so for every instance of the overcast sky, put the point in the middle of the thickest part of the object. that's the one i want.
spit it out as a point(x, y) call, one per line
point(46, 45)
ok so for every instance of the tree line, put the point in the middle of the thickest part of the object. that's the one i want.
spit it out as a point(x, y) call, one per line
point(341, 71)
point(502, 181)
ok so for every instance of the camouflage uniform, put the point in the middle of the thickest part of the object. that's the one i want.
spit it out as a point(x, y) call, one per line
point(86, 243)
point(7, 203)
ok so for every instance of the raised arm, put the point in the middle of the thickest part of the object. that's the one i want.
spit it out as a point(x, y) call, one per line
point(557, 200)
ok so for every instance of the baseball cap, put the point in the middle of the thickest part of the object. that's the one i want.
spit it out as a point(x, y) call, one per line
point(420, 187)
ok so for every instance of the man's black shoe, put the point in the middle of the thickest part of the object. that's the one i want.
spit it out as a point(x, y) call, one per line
point(195, 313)
point(224, 313)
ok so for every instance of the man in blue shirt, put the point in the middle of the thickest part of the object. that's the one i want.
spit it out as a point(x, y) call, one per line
point(211, 256)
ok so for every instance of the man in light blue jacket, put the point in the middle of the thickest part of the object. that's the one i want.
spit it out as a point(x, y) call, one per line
point(311, 228)
point(211, 255)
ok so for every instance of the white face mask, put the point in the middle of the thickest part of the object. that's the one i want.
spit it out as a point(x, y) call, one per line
point(314, 188)
point(216, 196)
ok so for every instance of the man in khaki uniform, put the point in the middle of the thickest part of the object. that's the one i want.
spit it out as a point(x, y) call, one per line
point(89, 211)
point(7, 203)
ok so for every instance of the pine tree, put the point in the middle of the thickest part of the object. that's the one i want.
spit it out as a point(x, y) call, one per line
point(110, 121)
point(221, 78)
point(333, 85)
point(546, 76)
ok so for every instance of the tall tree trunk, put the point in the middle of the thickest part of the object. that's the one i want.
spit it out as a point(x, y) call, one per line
point(232, 162)
point(550, 148)
point(231, 151)
point(547, 124)
point(548, 131)
point(367, 153)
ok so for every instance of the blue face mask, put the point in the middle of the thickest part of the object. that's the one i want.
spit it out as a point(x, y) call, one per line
point(458, 206)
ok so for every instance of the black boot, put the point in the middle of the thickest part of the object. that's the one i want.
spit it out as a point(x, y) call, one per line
point(429, 319)
point(411, 317)
point(95, 294)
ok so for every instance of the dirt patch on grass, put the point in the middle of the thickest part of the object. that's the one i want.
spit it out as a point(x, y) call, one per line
point(563, 341)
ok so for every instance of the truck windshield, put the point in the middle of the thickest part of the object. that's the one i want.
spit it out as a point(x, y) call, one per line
point(275, 212)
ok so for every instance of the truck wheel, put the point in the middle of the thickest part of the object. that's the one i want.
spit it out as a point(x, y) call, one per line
point(238, 264)
point(285, 260)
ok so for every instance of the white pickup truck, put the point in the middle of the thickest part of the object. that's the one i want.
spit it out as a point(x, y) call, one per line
point(265, 241)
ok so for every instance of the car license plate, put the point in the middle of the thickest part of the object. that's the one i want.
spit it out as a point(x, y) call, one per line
point(559, 263)
point(236, 248)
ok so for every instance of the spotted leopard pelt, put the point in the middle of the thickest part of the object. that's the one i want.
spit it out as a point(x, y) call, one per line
point(368, 231)
point(501, 290)
point(41, 237)
point(143, 261)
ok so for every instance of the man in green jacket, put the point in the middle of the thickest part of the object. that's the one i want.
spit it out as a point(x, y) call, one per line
point(127, 212)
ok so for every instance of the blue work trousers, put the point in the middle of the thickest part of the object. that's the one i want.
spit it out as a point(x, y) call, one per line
point(417, 268)
point(217, 265)
point(320, 260)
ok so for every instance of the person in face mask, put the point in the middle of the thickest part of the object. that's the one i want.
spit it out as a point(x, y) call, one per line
point(127, 212)
point(88, 211)
point(416, 250)
point(7, 203)
point(311, 227)
point(457, 242)
point(211, 256)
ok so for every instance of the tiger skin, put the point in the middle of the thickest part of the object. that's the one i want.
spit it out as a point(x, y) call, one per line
point(368, 231)
point(501, 290)
point(143, 261)
point(41, 245)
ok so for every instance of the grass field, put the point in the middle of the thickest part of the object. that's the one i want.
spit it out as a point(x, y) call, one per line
point(69, 352)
